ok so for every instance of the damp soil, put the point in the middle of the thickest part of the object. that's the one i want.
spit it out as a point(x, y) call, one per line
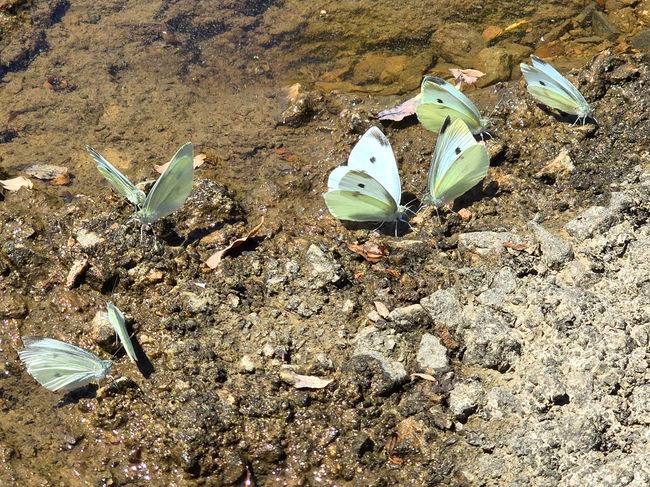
point(275, 94)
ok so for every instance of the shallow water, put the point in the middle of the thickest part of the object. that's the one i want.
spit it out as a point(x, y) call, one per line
point(142, 78)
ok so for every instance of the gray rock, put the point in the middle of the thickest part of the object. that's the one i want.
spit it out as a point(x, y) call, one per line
point(641, 41)
point(602, 26)
point(593, 219)
point(555, 250)
point(102, 333)
point(410, 318)
point(322, 268)
point(432, 355)
point(496, 62)
point(88, 239)
point(444, 308)
point(370, 359)
point(457, 43)
point(490, 343)
point(465, 398)
point(620, 202)
point(487, 243)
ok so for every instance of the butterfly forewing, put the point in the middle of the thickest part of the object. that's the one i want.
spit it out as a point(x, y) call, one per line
point(116, 318)
point(58, 365)
point(118, 180)
point(171, 189)
point(441, 99)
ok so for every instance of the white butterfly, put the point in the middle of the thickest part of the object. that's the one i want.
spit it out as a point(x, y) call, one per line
point(440, 100)
point(59, 366)
point(368, 189)
point(171, 189)
point(118, 180)
point(116, 319)
point(458, 163)
point(554, 90)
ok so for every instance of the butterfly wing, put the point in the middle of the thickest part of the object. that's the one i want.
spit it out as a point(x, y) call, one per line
point(118, 180)
point(360, 197)
point(458, 164)
point(553, 89)
point(441, 100)
point(116, 318)
point(374, 156)
point(60, 366)
point(172, 188)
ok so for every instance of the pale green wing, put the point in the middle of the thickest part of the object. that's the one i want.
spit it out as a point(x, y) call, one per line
point(461, 176)
point(553, 89)
point(116, 318)
point(172, 188)
point(360, 197)
point(441, 99)
point(118, 180)
point(60, 366)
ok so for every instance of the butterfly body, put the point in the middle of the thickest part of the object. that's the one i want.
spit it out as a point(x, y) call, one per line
point(458, 164)
point(440, 100)
point(551, 88)
point(60, 366)
point(116, 319)
point(368, 189)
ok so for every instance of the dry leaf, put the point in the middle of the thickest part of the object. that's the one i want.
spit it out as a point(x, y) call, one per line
point(198, 161)
point(399, 112)
point(468, 76)
point(303, 381)
point(215, 259)
point(382, 309)
point(393, 273)
point(373, 250)
point(61, 180)
point(46, 172)
point(16, 183)
point(514, 246)
point(515, 25)
point(424, 376)
point(285, 154)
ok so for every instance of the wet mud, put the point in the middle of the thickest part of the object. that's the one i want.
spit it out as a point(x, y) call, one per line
point(526, 316)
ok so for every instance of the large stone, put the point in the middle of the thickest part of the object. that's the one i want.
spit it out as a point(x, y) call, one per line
point(555, 250)
point(432, 355)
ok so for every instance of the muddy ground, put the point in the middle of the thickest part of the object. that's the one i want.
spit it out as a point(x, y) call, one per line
point(528, 317)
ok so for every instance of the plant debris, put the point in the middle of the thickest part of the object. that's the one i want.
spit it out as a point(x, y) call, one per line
point(215, 259)
point(198, 161)
point(15, 184)
point(303, 381)
point(399, 112)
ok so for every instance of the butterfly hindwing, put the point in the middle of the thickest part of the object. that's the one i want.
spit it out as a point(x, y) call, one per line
point(441, 99)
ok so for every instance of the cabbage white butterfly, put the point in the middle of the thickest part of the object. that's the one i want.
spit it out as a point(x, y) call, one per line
point(118, 180)
point(171, 189)
point(458, 163)
point(368, 189)
point(441, 99)
point(554, 90)
point(116, 318)
point(59, 366)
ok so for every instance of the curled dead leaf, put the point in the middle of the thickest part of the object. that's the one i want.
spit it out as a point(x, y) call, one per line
point(400, 111)
point(286, 154)
point(514, 246)
point(215, 259)
point(79, 266)
point(424, 376)
point(468, 76)
point(15, 184)
point(303, 381)
point(198, 161)
point(373, 250)
point(382, 309)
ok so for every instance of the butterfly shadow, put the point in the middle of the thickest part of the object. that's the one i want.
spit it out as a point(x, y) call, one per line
point(567, 118)
point(73, 397)
point(143, 363)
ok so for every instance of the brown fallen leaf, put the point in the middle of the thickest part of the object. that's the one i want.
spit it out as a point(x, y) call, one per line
point(514, 246)
point(61, 180)
point(198, 161)
point(400, 111)
point(79, 266)
point(46, 172)
point(286, 154)
point(303, 381)
point(215, 259)
point(373, 250)
point(16, 183)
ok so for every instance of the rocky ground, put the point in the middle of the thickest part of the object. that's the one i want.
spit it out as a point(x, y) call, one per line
point(505, 347)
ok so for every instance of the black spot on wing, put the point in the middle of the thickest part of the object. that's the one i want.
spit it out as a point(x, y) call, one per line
point(445, 124)
point(457, 150)
point(542, 83)
point(439, 101)
point(373, 159)
point(56, 374)
point(381, 138)
point(361, 185)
